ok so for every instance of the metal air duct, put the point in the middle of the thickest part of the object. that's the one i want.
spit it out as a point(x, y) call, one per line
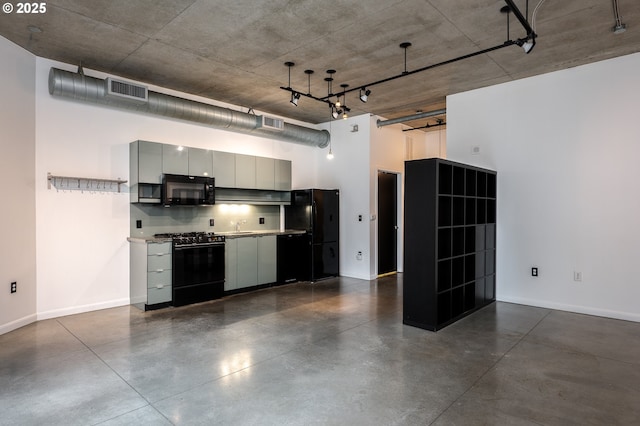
point(417, 116)
point(90, 89)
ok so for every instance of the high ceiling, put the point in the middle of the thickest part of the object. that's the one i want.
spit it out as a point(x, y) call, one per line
point(234, 50)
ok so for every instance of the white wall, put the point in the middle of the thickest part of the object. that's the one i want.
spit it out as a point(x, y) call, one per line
point(17, 143)
point(428, 144)
point(566, 148)
point(80, 256)
point(358, 155)
point(349, 172)
point(82, 252)
point(388, 154)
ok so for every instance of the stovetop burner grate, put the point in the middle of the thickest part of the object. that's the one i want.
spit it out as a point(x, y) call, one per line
point(182, 238)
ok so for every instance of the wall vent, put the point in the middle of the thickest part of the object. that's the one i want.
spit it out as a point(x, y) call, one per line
point(124, 90)
point(272, 123)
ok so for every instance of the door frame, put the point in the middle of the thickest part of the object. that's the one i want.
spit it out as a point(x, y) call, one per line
point(399, 219)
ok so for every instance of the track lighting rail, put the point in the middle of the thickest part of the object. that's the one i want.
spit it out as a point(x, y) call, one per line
point(526, 42)
point(520, 17)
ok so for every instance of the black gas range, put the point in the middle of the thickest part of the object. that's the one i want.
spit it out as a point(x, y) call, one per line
point(192, 238)
point(197, 265)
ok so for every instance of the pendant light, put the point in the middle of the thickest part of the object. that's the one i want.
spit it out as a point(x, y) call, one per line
point(330, 154)
point(345, 109)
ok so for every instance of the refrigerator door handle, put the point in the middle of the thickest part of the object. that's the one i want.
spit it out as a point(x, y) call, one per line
point(314, 213)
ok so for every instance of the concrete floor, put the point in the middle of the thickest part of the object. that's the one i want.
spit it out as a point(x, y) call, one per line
point(334, 352)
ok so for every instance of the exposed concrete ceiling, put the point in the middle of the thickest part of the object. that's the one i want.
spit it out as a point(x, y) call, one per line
point(234, 50)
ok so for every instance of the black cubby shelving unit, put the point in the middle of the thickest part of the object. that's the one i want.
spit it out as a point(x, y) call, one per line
point(449, 241)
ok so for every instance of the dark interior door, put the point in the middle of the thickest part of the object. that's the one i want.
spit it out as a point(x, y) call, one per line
point(387, 222)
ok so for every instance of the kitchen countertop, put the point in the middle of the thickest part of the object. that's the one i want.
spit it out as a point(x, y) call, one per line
point(241, 234)
point(226, 234)
point(145, 240)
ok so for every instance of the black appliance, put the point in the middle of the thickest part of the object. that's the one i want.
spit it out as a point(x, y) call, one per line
point(188, 190)
point(317, 211)
point(198, 267)
point(294, 257)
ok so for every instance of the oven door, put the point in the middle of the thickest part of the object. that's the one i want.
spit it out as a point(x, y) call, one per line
point(198, 273)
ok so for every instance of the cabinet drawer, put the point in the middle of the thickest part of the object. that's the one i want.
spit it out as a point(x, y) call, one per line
point(158, 295)
point(158, 248)
point(159, 263)
point(155, 279)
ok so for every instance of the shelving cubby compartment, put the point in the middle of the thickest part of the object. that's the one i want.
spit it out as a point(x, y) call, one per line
point(449, 242)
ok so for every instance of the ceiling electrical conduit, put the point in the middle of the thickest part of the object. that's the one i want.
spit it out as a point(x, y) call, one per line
point(80, 87)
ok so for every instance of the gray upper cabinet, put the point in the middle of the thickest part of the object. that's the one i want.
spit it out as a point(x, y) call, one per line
point(200, 162)
point(175, 160)
point(149, 161)
point(224, 169)
point(245, 171)
point(282, 178)
point(145, 171)
point(265, 173)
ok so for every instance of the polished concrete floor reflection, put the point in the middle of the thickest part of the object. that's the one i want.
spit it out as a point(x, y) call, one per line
point(329, 353)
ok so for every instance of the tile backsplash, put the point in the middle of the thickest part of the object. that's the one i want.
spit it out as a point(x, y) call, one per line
point(156, 219)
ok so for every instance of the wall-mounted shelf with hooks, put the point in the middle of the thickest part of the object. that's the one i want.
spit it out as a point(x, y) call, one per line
point(84, 183)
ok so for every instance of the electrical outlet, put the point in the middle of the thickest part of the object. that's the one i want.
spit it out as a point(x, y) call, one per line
point(261, 221)
point(359, 255)
point(138, 224)
point(211, 222)
point(534, 271)
point(14, 287)
point(577, 276)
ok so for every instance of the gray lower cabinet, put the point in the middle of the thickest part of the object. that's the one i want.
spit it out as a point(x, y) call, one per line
point(230, 264)
point(247, 256)
point(250, 261)
point(267, 259)
point(150, 273)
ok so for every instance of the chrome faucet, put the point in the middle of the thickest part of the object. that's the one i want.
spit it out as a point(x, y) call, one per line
point(238, 223)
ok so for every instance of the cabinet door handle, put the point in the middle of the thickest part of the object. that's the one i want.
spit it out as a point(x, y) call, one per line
point(159, 285)
point(159, 270)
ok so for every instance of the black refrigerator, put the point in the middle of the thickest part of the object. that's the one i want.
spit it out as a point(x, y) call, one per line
point(317, 211)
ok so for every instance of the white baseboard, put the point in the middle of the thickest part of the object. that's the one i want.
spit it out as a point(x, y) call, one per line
point(14, 325)
point(55, 313)
point(588, 310)
point(355, 275)
point(138, 299)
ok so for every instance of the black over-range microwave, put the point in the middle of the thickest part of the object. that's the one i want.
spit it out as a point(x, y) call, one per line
point(179, 190)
